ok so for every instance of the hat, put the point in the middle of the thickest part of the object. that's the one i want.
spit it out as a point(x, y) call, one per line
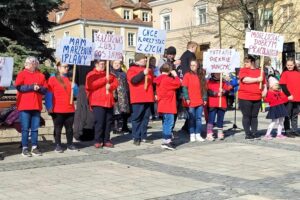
point(272, 81)
point(171, 50)
point(139, 56)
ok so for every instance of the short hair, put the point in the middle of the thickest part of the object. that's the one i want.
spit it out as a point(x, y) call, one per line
point(166, 67)
point(250, 57)
point(190, 44)
point(31, 60)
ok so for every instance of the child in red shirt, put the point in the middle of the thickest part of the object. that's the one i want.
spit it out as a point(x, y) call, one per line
point(167, 83)
point(276, 99)
point(214, 94)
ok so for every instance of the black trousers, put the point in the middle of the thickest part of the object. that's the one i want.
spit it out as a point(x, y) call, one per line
point(103, 123)
point(61, 120)
point(250, 110)
point(120, 122)
point(292, 118)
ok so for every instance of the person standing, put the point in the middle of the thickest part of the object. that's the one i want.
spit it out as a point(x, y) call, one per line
point(100, 95)
point(188, 56)
point(31, 86)
point(250, 95)
point(141, 98)
point(58, 104)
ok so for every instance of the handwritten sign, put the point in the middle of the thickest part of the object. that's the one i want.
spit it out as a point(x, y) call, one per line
point(264, 43)
point(108, 47)
point(151, 41)
point(75, 51)
point(6, 71)
point(221, 60)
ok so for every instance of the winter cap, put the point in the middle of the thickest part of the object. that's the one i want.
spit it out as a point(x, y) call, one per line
point(171, 51)
point(139, 56)
point(273, 81)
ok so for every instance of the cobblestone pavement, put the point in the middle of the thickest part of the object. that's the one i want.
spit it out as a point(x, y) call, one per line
point(233, 169)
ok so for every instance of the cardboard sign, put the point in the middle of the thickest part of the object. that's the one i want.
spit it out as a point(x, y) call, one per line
point(75, 51)
point(264, 43)
point(151, 41)
point(108, 47)
point(6, 71)
point(221, 60)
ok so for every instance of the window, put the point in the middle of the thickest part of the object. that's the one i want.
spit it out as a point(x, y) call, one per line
point(52, 41)
point(130, 39)
point(110, 32)
point(145, 16)
point(59, 15)
point(202, 12)
point(286, 12)
point(66, 33)
point(166, 22)
point(126, 14)
point(93, 34)
point(268, 17)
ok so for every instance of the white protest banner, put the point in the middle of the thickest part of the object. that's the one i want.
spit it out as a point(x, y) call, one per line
point(6, 71)
point(264, 43)
point(75, 51)
point(151, 41)
point(221, 60)
point(108, 46)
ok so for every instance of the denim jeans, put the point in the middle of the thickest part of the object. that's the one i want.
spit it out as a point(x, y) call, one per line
point(30, 119)
point(220, 113)
point(195, 123)
point(168, 120)
point(139, 120)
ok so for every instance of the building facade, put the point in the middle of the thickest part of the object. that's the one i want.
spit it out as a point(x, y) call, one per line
point(187, 20)
point(83, 18)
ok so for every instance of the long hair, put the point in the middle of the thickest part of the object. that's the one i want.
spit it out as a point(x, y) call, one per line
point(201, 76)
point(292, 60)
point(58, 76)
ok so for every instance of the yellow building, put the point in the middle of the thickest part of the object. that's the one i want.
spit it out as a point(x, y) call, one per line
point(186, 20)
point(83, 18)
point(277, 16)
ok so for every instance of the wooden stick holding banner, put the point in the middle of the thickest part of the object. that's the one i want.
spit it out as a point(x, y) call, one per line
point(220, 89)
point(146, 76)
point(73, 82)
point(107, 75)
point(261, 72)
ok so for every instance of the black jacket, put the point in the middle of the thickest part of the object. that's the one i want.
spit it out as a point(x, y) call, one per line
point(186, 58)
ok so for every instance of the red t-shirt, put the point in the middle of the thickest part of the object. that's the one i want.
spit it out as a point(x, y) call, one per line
point(291, 80)
point(192, 82)
point(275, 98)
point(213, 101)
point(61, 95)
point(250, 91)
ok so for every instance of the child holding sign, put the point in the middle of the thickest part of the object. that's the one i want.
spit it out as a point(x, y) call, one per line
point(215, 92)
point(167, 83)
point(101, 102)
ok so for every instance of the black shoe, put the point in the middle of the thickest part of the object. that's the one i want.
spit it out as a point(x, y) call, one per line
point(126, 130)
point(36, 152)
point(58, 149)
point(168, 146)
point(1, 156)
point(117, 132)
point(289, 134)
point(26, 153)
point(147, 141)
point(295, 133)
point(256, 137)
point(137, 142)
point(249, 137)
point(72, 148)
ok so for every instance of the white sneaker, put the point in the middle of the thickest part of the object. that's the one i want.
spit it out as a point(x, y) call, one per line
point(192, 137)
point(199, 138)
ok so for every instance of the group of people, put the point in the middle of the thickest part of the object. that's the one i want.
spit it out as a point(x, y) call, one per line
point(175, 86)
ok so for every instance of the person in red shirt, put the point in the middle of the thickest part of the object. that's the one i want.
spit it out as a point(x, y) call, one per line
point(277, 112)
point(166, 85)
point(250, 95)
point(214, 109)
point(59, 87)
point(31, 86)
point(141, 98)
point(193, 96)
point(99, 91)
point(288, 82)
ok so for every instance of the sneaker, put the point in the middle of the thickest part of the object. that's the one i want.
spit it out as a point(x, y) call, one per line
point(58, 149)
point(281, 136)
point(72, 147)
point(26, 152)
point(109, 144)
point(192, 137)
point(249, 137)
point(199, 138)
point(137, 142)
point(168, 146)
point(36, 152)
point(289, 134)
point(268, 137)
point(98, 145)
point(256, 137)
point(147, 141)
point(210, 137)
point(221, 135)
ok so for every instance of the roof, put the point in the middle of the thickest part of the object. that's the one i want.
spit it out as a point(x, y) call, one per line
point(142, 5)
point(93, 10)
point(122, 3)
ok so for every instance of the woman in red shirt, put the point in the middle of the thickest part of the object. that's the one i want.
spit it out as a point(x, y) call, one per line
point(97, 85)
point(288, 82)
point(192, 87)
point(59, 105)
point(250, 95)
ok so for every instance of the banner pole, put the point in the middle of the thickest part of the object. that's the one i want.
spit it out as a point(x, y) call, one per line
point(146, 79)
point(261, 71)
point(221, 84)
point(107, 74)
point(73, 81)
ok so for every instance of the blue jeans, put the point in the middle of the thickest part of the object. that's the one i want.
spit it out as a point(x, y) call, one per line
point(168, 121)
point(139, 120)
point(195, 123)
point(30, 119)
point(213, 112)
